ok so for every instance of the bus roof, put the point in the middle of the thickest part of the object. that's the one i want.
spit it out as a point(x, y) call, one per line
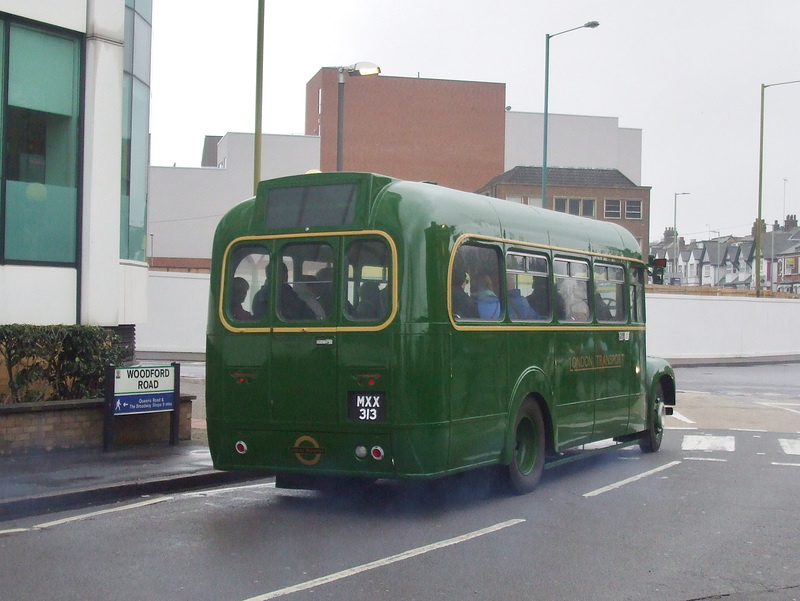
point(391, 204)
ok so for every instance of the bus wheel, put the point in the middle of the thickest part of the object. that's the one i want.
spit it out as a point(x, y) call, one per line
point(528, 461)
point(650, 439)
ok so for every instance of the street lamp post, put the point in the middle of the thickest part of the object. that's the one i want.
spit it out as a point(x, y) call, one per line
point(362, 68)
point(590, 25)
point(764, 86)
point(259, 96)
point(675, 248)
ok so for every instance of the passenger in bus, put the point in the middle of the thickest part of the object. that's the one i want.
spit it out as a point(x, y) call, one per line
point(518, 307)
point(290, 306)
point(539, 298)
point(572, 303)
point(488, 303)
point(238, 296)
point(464, 306)
point(305, 289)
point(323, 288)
point(369, 301)
point(261, 298)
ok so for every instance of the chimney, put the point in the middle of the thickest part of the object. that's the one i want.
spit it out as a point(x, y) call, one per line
point(790, 223)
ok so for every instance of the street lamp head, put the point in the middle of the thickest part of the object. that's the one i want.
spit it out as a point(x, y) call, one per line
point(363, 68)
point(591, 24)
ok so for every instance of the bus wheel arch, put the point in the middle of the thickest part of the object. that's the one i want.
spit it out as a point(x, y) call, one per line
point(528, 446)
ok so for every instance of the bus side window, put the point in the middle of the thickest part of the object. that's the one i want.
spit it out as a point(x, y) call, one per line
point(572, 290)
point(636, 281)
point(481, 266)
point(528, 286)
point(247, 288)
point(368, 288)
point(609, 292)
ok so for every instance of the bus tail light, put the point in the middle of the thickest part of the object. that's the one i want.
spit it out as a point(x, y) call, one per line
point(361, 451)
point(377, 453)
point(241, 447)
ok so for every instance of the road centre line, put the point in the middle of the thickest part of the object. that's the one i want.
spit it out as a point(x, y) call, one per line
point(622, 483)
point(786, 464)
point(86, 516)
point(383, 562)
point(218, 491)
point(705, 459)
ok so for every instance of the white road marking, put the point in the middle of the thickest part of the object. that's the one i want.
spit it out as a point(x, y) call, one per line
point(790, 446)
point(682, 417)
point(621, 483)
point(786, 464)
point(784, 406)
point(708, 443)
point(218, 491)
point(383, 562)
point(747, 430)
point(87, 516)
point(705, 459)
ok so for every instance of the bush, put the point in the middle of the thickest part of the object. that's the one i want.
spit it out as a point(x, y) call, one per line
point(45, 363)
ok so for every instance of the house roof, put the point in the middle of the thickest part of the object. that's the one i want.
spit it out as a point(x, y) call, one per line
point(564, 176)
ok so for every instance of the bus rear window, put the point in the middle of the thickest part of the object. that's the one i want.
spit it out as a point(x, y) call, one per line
point(310, 206)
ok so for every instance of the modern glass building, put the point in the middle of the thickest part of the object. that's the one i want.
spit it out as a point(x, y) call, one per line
point(74, 109)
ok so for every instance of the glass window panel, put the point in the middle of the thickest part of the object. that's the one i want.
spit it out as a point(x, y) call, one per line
point(247, 292)
point(537, 265)
point(609, 300)
point(579, 269)
point(527, 295)
point(478, 297)
point(308, 206)
point(633, 209)
point(128, 47)
point(301, 296)
point(515, 262)
point(560, 205)
point(368, 290)
point(572, 291)
point(588, 207)
point(141, 49)
point(574, 206)
point(41, 147)
point(612, 209)
point(137, 222)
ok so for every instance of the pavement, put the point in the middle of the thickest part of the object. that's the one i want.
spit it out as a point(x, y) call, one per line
point(38, 483)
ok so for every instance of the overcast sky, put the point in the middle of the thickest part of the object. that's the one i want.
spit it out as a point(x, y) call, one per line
point(688, 73)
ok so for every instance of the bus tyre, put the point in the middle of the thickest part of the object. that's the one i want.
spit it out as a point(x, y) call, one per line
point(650, 439)
point(527, 463)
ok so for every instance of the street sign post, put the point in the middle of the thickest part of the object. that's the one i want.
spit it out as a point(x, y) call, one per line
point(137, 390)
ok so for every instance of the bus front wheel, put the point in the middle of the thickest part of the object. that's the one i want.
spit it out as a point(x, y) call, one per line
point(527, 463)
point(650, 439)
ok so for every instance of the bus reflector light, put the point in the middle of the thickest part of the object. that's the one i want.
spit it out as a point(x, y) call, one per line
point(241, 447)
point(361, 451)
point(377, 453)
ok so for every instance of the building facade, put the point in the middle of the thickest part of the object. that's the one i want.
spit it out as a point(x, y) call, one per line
point(75, 79)
point(602, 194)
point(449, 132)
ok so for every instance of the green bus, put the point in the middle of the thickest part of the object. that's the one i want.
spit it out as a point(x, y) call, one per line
point(364, 326)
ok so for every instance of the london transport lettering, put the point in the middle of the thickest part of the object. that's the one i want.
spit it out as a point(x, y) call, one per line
point(144, 389)
point(599, 361)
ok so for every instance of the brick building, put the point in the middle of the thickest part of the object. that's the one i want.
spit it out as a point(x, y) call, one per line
point(602, 194)
point(450, 132)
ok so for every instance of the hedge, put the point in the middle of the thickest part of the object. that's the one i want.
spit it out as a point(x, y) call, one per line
point(48, 363)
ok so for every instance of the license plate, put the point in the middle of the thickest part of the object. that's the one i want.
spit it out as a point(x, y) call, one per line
point(366, 406)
